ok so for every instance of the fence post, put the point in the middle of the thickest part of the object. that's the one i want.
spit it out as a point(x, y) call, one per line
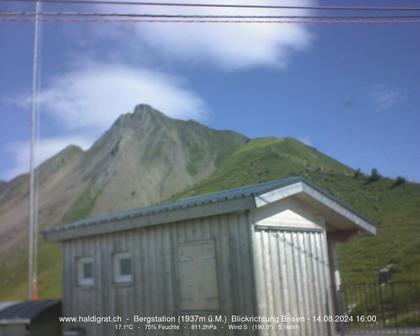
point(341, 310)
point(394, 309)
point(381, 305)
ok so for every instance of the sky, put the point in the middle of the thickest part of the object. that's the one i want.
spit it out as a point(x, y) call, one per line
point(350, 90)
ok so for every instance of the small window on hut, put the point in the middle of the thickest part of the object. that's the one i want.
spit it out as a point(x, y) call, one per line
point(85, 271)
point(198, 276)
point(122, 267)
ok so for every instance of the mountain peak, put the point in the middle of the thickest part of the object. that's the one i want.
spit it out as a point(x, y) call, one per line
point(142, 113)
point(146, 109)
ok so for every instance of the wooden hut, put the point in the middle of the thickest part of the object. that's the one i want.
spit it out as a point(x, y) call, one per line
point(250, 255)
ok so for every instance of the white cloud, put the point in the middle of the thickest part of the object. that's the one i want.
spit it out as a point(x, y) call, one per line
point(86, 101)
point(94, 95)
point(385, 97)
point(45, 149)
point(230, 46)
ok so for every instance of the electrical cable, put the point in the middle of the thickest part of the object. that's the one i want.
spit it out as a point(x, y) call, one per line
point(221, 5)
point(105, 20)
point(213, 17)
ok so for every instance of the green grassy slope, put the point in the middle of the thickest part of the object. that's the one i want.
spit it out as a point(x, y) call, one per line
point(396, 209)
point(14, 285)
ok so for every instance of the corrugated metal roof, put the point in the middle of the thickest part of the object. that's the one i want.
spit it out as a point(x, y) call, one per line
point(216, 197)
point(4, 305)
point(26, 310)
point(184, 203)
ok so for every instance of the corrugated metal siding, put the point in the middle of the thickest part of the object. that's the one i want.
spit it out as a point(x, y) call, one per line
point(12, 330)
point(292, 277)
point(155, 287)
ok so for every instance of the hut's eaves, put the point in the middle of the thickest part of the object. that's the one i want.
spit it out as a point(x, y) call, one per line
point(244, 198)
point(24, 312)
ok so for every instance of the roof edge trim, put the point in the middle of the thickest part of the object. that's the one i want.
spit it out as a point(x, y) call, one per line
point(321, 196)
point(176, 215)
point(15, 321)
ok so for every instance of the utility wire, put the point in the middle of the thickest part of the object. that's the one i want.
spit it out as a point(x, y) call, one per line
point(206, 17)
point(222, 5)
point(110, 20)
point(80, 17)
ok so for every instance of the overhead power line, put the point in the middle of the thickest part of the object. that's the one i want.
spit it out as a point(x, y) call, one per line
point(222, 5)
point(208, 17)
point(191, 21)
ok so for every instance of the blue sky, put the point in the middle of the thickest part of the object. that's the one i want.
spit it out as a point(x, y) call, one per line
point(352, 91)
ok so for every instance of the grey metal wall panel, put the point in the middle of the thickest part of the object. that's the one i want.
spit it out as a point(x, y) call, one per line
point(292, 275)
point(12, 330)
point(155, 286)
